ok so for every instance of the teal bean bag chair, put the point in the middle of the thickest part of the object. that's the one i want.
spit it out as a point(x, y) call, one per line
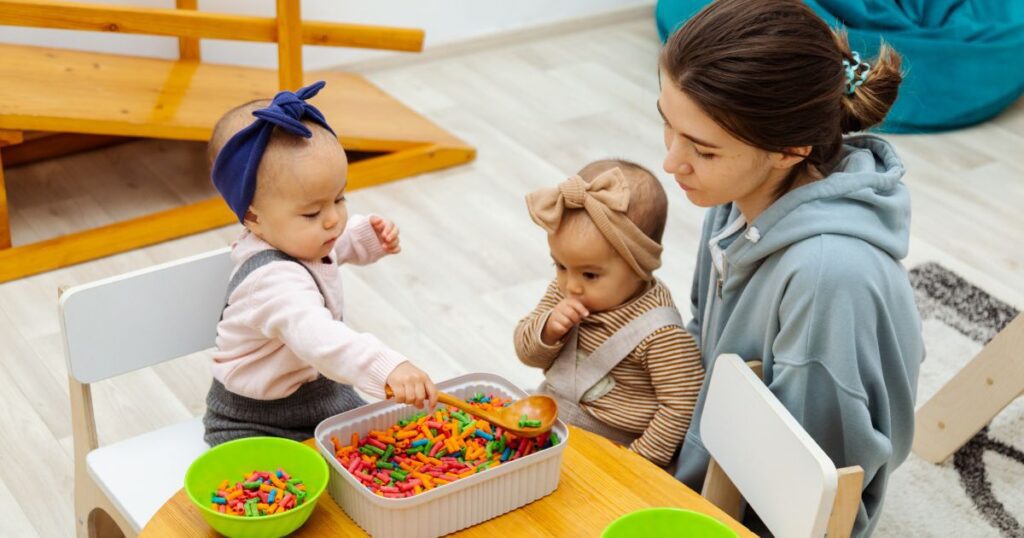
point(963, 59)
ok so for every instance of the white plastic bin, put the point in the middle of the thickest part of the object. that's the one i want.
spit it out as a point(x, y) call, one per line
point(447, 508)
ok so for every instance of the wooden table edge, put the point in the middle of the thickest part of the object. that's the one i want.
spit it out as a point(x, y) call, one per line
point(178, 513)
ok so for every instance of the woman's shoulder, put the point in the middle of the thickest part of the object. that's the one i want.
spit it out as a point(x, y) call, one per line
point(831, 261)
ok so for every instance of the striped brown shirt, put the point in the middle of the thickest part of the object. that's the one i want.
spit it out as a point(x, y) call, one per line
point(656, 385)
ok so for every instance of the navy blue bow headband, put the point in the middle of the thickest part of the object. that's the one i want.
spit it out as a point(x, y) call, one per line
point(234, 171)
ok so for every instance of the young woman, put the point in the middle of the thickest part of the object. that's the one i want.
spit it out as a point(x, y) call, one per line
point(799, 257)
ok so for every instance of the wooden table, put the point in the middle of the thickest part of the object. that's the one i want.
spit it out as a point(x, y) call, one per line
point(600, 482)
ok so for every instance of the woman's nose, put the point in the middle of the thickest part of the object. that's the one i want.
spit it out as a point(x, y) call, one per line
point(675, 162)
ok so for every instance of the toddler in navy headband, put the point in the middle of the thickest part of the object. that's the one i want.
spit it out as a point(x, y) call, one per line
point(285, 358)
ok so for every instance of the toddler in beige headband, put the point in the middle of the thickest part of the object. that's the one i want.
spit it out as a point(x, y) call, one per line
point(613, 347)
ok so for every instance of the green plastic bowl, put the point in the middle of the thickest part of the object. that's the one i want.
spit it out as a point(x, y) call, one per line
point(667, 522)
point(234, 459)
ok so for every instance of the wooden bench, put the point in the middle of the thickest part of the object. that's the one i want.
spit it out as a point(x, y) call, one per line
point(57, 101)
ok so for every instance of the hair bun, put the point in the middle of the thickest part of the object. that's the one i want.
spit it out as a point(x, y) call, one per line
point(870, 100)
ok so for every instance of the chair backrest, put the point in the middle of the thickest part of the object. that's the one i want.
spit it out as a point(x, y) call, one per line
point(139, 319)
point(778, 468)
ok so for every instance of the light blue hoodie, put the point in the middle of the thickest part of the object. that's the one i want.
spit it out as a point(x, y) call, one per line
point(814, 288)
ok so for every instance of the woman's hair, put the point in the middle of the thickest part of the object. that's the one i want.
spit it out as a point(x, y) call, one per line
point(771, 73)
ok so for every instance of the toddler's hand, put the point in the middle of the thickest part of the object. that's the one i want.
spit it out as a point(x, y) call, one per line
point(411, 385)
point(387, 234)
point(564, 316)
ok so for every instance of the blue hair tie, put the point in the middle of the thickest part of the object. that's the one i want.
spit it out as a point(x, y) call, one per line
point(234, 171)
point(856, 73)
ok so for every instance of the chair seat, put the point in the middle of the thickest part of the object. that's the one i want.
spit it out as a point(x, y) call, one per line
point(140, 474)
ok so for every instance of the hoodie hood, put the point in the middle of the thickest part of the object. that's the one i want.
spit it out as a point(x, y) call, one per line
point(863, 198)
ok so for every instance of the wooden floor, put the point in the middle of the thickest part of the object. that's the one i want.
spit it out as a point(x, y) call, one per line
point(472, 261)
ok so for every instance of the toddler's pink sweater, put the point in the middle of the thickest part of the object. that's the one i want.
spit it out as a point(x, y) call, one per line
point(279, 330)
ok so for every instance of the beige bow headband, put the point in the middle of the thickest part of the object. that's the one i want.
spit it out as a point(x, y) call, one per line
point(605, 200)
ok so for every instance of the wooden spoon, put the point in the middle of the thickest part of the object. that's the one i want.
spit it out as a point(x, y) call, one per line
point(536, 407)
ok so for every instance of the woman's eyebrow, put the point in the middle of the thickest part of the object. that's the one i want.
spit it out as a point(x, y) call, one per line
point(691, 138)
point(657, 103)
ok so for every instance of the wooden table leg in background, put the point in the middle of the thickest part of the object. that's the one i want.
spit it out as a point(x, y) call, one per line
point(5, 224)
point(6, 138)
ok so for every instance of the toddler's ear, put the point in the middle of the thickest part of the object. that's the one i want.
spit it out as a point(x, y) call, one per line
point(252, 222)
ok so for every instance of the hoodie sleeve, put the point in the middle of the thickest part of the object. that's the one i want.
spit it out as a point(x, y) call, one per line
point(841, 370)
point(359, 244)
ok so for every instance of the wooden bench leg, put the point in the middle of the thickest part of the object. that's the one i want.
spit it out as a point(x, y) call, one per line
point(7, 138)
point(188, 47)
point(969, 401)
point(5, 222)
point(289, 44)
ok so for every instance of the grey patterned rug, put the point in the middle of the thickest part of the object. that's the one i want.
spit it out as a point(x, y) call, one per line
point(980, 490)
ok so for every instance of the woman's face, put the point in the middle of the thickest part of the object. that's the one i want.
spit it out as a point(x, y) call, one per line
point(709, 164)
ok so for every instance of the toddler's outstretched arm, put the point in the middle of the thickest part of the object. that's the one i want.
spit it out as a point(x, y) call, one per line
point(286, 304)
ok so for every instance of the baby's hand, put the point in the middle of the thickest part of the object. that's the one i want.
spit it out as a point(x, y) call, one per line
point(387, 234)
point(411, 385)
point(564, 316)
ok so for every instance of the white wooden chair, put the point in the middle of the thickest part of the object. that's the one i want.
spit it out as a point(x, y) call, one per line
point(112, 327)
point(761, 454)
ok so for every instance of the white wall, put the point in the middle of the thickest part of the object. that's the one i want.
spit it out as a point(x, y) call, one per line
point(445, 23)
